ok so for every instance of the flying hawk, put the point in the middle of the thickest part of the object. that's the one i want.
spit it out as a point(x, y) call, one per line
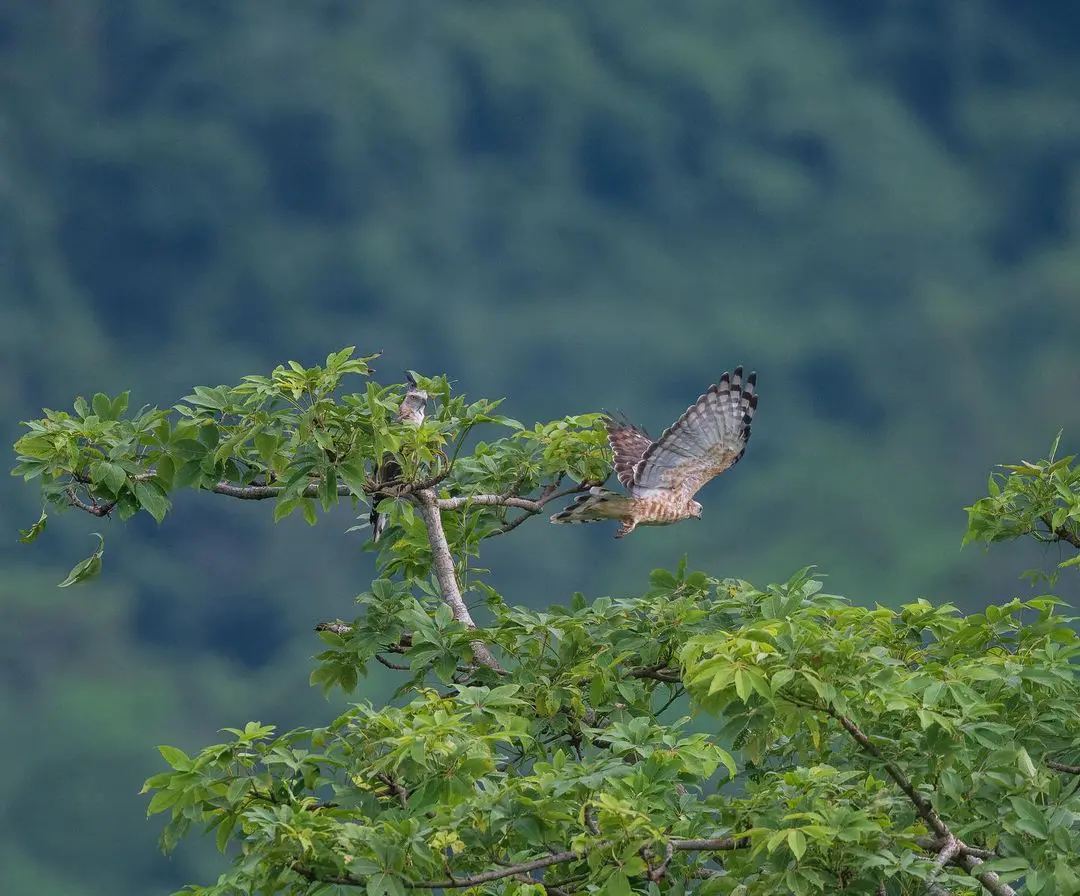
point(662, 477)
point(411, 412)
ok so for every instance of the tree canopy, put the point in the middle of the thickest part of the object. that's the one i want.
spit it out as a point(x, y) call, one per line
point(705, 733)
point(579, 206)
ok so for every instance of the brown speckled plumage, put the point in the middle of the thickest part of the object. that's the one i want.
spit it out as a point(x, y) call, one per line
point(662, 476)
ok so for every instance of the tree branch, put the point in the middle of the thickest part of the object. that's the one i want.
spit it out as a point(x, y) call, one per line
point(949, 851)
point(489, 501)
point(529, 505)
point(263, 492)
point(660, 871)
point(720, 844)
point(925, 808)
point(1061, 533)
point(933, 844)
point(1062, 767)
point(657, 673)
point(93, 508)
point(443, 564)
point(921, 803)
point(338, 627)
point(400, 792)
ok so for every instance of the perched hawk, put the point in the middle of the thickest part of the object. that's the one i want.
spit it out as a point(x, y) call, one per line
point(662, 477)
point(411, 412)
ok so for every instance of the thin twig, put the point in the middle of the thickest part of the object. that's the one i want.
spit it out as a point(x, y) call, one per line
point(511, 525)
point(547, 496)
point(676, 693)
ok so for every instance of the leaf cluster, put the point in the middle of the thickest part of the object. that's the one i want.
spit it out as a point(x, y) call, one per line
point(295, 437)
point(586, 745)
point(705, 733)
point(1037, 499)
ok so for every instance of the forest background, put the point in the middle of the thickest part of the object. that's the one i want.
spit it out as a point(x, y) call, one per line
point(576, 206)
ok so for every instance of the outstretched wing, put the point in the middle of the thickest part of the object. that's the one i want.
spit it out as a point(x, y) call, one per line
point(710, 437)
point(629, 444)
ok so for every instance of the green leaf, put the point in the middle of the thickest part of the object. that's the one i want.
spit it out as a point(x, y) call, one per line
point(88, 568)
point(1010, 867)
point(152, 499)
point(224, 832)
point(28, 535)
point(1030, 819)
point(796, 842)
point(162, 800)
point(111, 475)
point(1025, 763)
point(743, 684)
point(383, 884)
point(353, 474)
point(617, 884)
point(176, 757)
point(102, 406)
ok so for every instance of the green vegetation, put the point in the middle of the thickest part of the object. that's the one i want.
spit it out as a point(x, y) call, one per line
point(579, 206)
point(822, 746)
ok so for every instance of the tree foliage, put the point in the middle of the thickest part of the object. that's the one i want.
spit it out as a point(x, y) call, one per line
point(706, 733)
point(1037, 499)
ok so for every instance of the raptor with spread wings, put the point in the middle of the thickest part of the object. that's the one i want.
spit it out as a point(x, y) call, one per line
point(662, 476)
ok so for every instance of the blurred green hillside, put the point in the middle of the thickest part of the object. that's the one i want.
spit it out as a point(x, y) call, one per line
point(578, 206)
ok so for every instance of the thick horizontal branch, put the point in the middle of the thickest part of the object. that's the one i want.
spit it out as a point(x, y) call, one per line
point(530, 506)
point(657, 673)
point(489, 501)
point(266, 492)
point(719, 844)
point(263, 492)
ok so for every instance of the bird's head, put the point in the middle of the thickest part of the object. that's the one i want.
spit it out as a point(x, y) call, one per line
point(695, 510)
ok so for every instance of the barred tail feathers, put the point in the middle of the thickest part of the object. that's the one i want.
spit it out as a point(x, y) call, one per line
point(598, 504)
